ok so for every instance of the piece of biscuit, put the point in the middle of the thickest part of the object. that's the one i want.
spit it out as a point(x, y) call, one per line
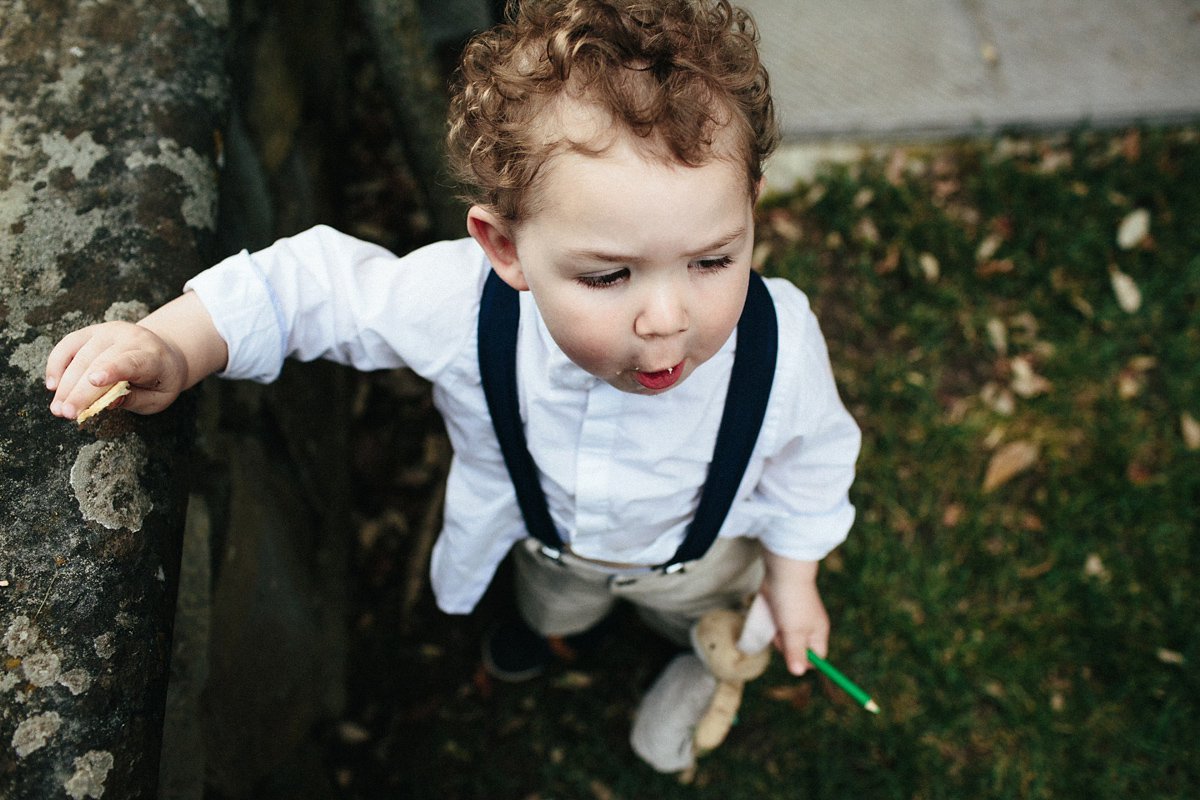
point(119, 389)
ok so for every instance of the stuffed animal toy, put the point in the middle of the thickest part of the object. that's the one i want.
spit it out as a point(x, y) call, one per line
point(715, 639)
point(691, 706)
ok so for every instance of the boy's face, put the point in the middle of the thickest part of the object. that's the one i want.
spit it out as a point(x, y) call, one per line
point(639, 267)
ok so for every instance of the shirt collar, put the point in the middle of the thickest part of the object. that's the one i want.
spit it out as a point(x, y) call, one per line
point(562, 372)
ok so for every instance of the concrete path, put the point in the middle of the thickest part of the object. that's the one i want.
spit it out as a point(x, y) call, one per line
point(854, 70)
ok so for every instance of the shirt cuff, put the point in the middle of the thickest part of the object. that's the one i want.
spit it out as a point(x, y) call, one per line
point(805, 538)
point(247, 316)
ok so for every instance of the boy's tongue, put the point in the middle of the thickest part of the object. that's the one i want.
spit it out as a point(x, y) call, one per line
point(661, 379)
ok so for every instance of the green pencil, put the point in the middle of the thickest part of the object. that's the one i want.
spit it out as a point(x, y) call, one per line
point(841, 680)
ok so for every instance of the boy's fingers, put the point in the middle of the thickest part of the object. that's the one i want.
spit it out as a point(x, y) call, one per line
point(139, 367)
point(88, 377)
point(795, 648)
point(62, 355)
point(73, 391)
point(793, 653)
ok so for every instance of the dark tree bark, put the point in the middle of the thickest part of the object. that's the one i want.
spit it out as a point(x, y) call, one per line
point(418, 99)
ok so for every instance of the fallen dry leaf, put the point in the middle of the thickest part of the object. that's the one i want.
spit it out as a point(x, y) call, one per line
point(1083, 306)
point(1054, 161)
point(1134, 229)
point(601, 791)
point(573, 679)
point(997, 333)
point(1131, 145)
point(929, 266)
point(998, 398)
point(1025, 382)
point(1008, 462)
point(1025, 326)
point(1032, 522)
point(994, 438)
point(1146, 464)
point(1037, 570)
point(890, 260)
point(1129, 296)
point(797, 694)
point(1170, 656)
point(1132, 378)
point(1143, 363)
point(866, 231)
point(988, 247)
point(997, 266)
point(352, 733)
point(1191, 431)
point(896, 166)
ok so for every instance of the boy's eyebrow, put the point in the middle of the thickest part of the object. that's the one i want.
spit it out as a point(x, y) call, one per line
point(599, 255)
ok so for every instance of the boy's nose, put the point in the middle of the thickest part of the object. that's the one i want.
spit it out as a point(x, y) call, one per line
point(663, 313)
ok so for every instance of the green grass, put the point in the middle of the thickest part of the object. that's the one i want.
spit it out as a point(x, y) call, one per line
point(1037, 640)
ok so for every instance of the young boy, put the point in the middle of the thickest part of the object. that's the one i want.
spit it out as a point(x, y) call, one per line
point(613, 150)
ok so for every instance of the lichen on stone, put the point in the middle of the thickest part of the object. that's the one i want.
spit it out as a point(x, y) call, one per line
point(106, 478)
point(30, 357)
point(215, 11)
point(90, 771)
point(42, 668)
point(104, 645)
point(69, 84)
point(199, 207)
point(79, 154)
point(20, 637)
point(126, 311)
point(33, 733)
point(77, 680)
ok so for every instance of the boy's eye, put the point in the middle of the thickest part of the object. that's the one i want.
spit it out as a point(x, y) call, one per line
point(712, 263)
point(607, 279)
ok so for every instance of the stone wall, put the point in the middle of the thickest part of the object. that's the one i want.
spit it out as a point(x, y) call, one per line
point(110, 116)
point(118, 121)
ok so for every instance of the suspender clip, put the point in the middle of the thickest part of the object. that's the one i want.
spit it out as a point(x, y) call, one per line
point(552, 554)
point(671, 569)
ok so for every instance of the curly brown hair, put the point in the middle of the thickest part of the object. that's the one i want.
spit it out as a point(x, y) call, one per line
point(676, 73)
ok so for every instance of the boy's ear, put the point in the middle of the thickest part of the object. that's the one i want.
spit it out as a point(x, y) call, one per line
point(493, 236)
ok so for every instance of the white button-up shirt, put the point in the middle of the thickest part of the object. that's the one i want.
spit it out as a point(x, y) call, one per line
point(622, 472)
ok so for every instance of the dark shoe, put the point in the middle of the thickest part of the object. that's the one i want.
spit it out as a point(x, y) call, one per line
point(513, 652)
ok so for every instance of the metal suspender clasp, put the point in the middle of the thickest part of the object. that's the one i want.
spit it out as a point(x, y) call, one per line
point(552, 554)
point(671, 569)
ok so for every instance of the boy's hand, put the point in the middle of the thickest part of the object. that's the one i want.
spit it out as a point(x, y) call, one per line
point(790, 588)
point(167, 352)
point(85, 363)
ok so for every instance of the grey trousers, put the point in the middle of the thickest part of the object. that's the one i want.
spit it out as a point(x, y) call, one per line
point(558, 597)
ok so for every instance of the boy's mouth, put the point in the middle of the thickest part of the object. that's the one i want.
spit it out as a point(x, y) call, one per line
point(659, 380)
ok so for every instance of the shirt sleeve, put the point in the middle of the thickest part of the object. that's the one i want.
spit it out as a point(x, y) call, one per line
point(323, 294)
point(802, 496)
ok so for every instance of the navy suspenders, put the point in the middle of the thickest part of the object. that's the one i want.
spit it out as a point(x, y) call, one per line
point(745, 405)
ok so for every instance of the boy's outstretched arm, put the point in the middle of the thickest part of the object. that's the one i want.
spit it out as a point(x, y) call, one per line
point(790, 588)
point(170, 350)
